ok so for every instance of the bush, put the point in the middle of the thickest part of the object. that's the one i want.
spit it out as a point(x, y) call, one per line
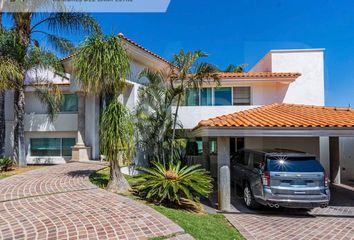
point(173, 185)
point(6, 164)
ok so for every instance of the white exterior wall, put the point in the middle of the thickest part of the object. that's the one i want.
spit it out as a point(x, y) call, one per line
point(189, 116)
point(309, 87)
point(346, 147)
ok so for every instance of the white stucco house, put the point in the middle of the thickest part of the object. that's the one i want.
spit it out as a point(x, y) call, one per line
point(290, 80)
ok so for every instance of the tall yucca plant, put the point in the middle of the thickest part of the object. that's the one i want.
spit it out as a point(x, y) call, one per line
point(101, 66)
point(172, 184)
point(117, 142)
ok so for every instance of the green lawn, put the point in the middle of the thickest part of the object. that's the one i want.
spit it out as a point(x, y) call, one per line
point(17, 170)
point(202, 226)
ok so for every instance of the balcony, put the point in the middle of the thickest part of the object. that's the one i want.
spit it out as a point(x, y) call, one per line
point(190, 116)
point(41, 122)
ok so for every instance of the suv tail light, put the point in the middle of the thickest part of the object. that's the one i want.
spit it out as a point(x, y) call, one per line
point(266, 179)
point(325, 180)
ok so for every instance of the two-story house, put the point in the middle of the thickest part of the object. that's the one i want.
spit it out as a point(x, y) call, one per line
point(271, 106)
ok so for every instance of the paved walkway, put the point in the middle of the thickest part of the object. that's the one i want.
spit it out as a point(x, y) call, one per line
point(59, 202)
point(281, 227)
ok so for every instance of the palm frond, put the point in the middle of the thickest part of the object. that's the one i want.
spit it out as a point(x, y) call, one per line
point(51, 96)
point(10, 73)
point(70, 23)
point(107, 68)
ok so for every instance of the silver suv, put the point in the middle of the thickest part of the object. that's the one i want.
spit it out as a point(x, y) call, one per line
point(280, 177)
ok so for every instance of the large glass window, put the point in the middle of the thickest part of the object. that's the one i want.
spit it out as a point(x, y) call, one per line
point(51, 147)
point(69, 103)
point(222, 96)
point(67, 143)
point(242, 95)
point(192, 97)
point(206, 97)
point(45, 147)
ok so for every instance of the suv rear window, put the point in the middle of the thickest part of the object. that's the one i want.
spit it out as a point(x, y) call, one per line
point(294, 165)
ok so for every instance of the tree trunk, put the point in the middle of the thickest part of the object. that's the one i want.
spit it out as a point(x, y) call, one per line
point(117, 182)
point(19, 136)
point(174, 125)
point(2, 124)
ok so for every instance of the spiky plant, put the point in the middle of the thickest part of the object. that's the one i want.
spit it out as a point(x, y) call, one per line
point(172, 184)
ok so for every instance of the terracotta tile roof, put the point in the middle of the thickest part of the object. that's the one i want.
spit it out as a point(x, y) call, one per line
point(285, 115)
point(121, 36)
point(260, 75)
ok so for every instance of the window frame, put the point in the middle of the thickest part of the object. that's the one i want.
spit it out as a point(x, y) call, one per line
point(77, 104)
point(250, 95)
point(60, 147)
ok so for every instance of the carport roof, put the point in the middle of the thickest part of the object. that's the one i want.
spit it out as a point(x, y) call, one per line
point(281, 115)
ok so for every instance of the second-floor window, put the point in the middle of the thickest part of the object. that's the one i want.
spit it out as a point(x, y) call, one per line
point(242, 96)
point(219, 96)
point(69, 103)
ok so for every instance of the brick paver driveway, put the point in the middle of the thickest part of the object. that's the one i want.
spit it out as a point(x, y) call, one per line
point(259, 226)
point(59, 202)
point(334, 222)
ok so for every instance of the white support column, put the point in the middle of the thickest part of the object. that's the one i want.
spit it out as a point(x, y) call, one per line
point(224, 191)
point(324, 153)
point(80, 152)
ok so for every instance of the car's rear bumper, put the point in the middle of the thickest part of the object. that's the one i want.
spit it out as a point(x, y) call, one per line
point(297, 201)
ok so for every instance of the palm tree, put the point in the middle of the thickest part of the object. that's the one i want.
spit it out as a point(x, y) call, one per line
point(2, 108)
point(189, 72)
point(27, 25)
point(105, 74)
point(153, 116)
point(235, 68)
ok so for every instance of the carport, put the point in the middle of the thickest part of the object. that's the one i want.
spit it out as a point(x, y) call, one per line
point(299, 127)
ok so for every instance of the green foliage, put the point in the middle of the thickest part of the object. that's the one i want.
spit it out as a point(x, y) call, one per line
point(101, 65)
point(153, 116)
point(235, 68)
point(6, 164)
point(173, 184)
point(117, 133)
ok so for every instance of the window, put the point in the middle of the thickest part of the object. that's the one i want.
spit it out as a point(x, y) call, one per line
point(69, 103)
point(242, 95)
point(51, 147)
point(45, 147)
point(192, 97)
point(222, 96)
point(206, 96)
point(294, 165)
point(67, 143)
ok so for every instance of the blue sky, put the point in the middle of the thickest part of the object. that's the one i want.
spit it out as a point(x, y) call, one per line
point(242, 31)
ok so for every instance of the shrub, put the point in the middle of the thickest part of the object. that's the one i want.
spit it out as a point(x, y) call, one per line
point(6, 164)
point(173, 184)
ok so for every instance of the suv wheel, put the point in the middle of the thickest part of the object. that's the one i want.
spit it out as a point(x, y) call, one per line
point(248, 198)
